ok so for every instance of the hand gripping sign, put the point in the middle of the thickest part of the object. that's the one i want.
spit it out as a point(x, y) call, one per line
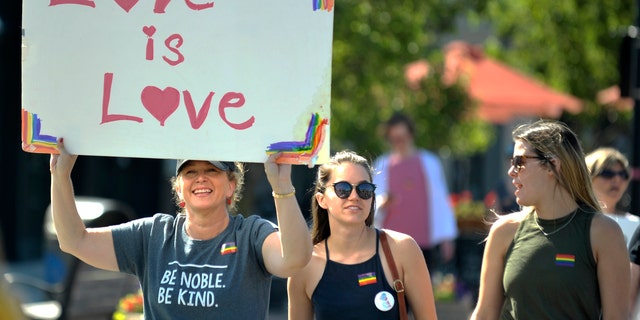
point(170, 79)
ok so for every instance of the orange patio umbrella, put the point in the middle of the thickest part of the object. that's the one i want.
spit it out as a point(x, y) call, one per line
point(503, 93)
point(611, 97)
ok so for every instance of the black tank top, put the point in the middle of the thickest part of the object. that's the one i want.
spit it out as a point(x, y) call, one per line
point(354, 291)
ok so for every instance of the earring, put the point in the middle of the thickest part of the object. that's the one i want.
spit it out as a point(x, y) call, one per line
point(229, 201)
point(182, 204)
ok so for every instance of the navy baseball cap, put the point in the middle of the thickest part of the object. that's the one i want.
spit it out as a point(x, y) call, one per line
point(222, 165)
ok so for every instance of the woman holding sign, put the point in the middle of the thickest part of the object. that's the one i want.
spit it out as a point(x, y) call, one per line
point(348, 276)
point(203, 262)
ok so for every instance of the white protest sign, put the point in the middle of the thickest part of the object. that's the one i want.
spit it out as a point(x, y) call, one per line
point(226, 80)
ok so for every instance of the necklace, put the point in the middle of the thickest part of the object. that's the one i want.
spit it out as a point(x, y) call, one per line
point(558, 229)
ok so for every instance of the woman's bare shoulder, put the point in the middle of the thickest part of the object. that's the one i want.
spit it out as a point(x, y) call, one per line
point(604, 227)
point(509, 219)
point(506, 225)
point(398, 238)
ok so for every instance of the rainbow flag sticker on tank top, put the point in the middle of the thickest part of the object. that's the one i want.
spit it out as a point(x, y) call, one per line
point(565, 260)
point(367, 278)
point(228, 248)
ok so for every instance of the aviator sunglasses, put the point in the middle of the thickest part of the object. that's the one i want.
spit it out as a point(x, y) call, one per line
point(518, 161)
point(610, 174)
point(365, 190)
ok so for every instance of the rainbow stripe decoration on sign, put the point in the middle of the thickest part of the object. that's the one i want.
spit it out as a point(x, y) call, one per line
point(322, 5)
point(367, 278)
point(228, 248)
point(297, 152)
point(32, 140)
point(565, 260)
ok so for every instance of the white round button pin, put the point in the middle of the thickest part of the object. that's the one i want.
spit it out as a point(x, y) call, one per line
point(384, 301)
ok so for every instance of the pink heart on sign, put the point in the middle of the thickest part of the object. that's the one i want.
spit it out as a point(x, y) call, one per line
point(160, 103)
point(126, 4)
point(149, 31)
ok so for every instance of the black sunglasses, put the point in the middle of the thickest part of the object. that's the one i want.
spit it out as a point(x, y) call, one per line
point(518, 161)
point(365, 190)
point(610, 174)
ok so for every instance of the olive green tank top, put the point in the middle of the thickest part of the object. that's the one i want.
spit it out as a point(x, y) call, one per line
point(552, 276)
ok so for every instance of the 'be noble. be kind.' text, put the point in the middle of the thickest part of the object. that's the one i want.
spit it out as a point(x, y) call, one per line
point(194, 289)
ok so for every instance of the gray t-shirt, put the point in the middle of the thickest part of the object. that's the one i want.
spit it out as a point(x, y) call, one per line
point(181, 278)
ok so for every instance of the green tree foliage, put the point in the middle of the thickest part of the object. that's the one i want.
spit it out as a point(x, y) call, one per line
point(572, 45)
point(446, 118)
point(373, 42)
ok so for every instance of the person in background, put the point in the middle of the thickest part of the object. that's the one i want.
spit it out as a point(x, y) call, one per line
point(560, 257)
point(413, 196)
point(348, 276)
point(203, 263)
point(610, 177)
